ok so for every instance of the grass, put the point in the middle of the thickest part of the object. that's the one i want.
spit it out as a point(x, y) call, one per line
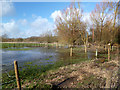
point(19, 49)
point(47, 59)
point(18, 45)
point(35, 74)
point(90, 80)
point(30, 72)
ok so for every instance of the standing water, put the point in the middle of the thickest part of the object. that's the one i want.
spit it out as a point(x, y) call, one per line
point(36, 55)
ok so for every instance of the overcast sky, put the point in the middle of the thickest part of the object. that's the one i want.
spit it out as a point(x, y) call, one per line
point(25, 19)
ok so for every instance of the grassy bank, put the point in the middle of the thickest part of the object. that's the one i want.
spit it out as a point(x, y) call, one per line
point(18, 49)
point(18, 45)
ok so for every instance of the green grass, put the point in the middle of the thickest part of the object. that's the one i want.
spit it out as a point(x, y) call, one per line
point(47, 59)
point(90, 80)
point(103, 55)
point(0, 46)
point(19, 49)
point(18, 45)
point(31, 73)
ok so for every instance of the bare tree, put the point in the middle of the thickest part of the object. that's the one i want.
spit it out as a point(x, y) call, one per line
point(114, 7)
point(100, 17)
point(84, 37)
point(68, 24)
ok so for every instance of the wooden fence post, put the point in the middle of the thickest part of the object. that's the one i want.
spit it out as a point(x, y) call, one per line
point(71, 51)
point(96, 53)
point(17, 75)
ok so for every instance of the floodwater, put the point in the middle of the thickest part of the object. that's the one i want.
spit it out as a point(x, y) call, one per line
point(41, 54)
point(36, 55)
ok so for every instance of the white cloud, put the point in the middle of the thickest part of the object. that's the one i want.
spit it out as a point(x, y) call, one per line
point(86, 18)
point(58, 13)
point(0, 29)
point(23, 22)
point(39, 26)
point(23, 28)
point(10, 28)
point(55, 14)
point(39, 21)
point(7, 8)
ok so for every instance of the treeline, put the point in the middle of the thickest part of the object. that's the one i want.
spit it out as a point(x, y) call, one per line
point(40, 39)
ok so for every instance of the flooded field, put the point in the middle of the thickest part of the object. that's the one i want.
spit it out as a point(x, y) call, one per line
point(38, 55)
point(35, 63)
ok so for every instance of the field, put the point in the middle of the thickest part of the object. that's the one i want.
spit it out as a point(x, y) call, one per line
point(18, 45)
point(64, 71)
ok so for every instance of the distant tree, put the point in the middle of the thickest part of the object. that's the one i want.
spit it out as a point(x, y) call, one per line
point(48, 37)
point(19, 39)
point(5, 36)
point(115, 8)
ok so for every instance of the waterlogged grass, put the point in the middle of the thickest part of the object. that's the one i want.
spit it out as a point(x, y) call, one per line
point(19, 49)
point(8, 45)
point(47, 59)
point(105, 55)
point(0, 46)
point(31, 73)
